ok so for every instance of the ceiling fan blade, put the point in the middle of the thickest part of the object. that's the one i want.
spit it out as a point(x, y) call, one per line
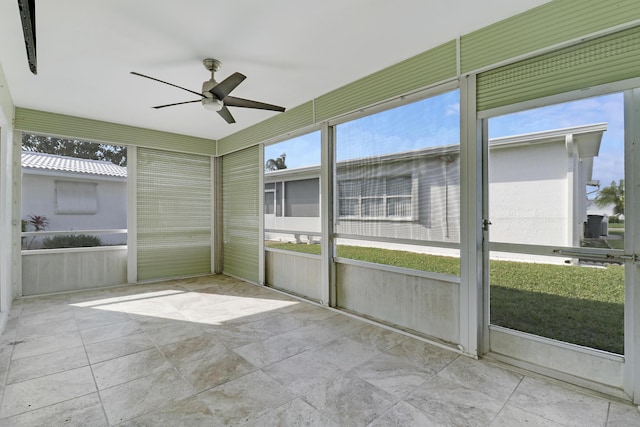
point(224, 88)
point(167, 83)
point(226, 114)
point(232, 101)
point(176, 103)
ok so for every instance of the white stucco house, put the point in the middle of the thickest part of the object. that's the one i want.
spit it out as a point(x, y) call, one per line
point(75, 194)
point(538, 184)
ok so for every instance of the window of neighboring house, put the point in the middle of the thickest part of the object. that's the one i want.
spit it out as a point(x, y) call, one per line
point(270, 199)
point(389, 198)
point(301, 198)
point(73, 197)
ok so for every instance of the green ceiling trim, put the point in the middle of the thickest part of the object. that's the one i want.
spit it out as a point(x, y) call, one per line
point(42, 122)
point(599, 61)
point(547, 25)
point(420, 71)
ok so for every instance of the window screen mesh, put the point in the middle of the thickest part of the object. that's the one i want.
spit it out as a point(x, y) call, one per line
point(398, 172)
point(174, 214)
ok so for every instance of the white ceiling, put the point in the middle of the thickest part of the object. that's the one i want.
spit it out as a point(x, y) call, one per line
point(290, 50)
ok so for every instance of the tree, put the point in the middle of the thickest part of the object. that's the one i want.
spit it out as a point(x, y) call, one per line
point(75, 148)
point(612, 195)
point(277, 163)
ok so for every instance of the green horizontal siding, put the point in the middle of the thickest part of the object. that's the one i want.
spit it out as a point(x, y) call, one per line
point(240, 213)
point(291, 120)
point(547, 25)
point(417, 72)
point(604, 60)
point(173, 214)
point(35, 121)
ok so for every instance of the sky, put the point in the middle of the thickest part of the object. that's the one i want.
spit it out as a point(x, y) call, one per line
point(435, 121)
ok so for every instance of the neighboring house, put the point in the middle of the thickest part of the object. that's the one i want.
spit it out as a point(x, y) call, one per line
point(75, 194)
point(537, 191)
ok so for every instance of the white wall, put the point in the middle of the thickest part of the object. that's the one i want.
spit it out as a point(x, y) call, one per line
point(528, 194)
point(38, 198)
point(6, 195)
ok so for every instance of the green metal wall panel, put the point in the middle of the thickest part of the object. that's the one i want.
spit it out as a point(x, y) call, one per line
point(173, 214)
point(240, 213)
point(417, 72)
point(603, 60)
point(35, 121)
point(293, 119)
point(547, 25)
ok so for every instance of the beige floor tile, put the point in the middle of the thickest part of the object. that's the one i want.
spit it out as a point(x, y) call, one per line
point(344, 352)
point(192, 349)
point(37, 315)
point(44, 391)
point(110, 331)
point(45, 329)
point(177, 331)
point(277, 324)
point(405, 415)
point(257, 358)
point(270, 351)
point(294, 413)
point(512, 416)
point(130, 367)
point(88, 318)
point(555, 403)
point(215, 369)
point(46, 364)
point(110, 349)
point(424, 354)
point(349, 401)
point(449, 403)
point(134, 398)
point(623, 415)
point(155, 322)
point(395, 375)
point(481, 376)
point(191, 412)
point(85, 411)
point(379, 338)
point(302, 372)
point(49, 344)
point(246, 398)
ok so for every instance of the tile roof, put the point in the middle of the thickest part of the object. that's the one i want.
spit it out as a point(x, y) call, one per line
point(71, 164)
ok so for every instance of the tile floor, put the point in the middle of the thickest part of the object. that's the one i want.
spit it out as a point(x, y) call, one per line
point(215, 351)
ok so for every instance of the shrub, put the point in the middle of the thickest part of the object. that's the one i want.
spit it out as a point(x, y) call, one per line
point(71, 241)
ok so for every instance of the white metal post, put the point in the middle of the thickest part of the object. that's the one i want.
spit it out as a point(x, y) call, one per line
point(632, 245)
point(327, 162)
point(472, 300)
point(132, 214)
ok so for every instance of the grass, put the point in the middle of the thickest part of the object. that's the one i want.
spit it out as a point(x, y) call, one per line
point(579, 305)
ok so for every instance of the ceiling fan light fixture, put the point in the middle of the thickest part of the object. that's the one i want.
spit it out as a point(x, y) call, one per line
point(212, 104)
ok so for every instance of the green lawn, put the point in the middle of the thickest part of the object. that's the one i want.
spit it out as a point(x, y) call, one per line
point(580, 305)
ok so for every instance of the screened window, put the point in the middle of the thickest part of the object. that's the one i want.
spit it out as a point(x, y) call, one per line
point(74, 197)
point(377, 198)
point(300, 198)
point(269, 199)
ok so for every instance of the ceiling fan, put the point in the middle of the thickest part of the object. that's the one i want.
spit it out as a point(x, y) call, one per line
point(215, 96)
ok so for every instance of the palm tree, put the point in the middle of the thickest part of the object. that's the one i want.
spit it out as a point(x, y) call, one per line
point(612, 195)
point(277, 163)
